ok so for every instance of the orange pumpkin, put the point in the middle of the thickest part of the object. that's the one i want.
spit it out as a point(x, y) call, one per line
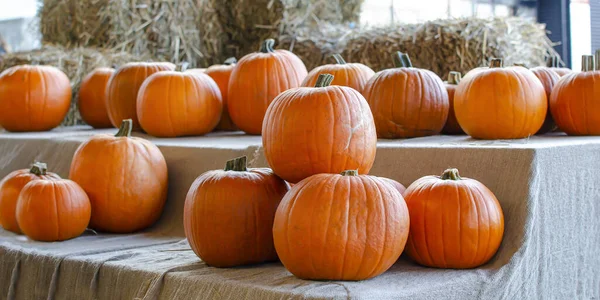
point(553, 62)
point(53, 210)
point(548, 77)
point(340, 227)
point(92, 98)
point(336, 134)
point(256, 80)
point(123, 87)
point(241, 204)
point(172, 104)
point(221, 74)
point(397, 185)
point(125, 178)
point(196, 70)
point(10, 188)
point(454, 222)
point(406, 101)
point(515, 103)
point(353, 75)
point(575, 101)
point(33, 98)
point(452, 126)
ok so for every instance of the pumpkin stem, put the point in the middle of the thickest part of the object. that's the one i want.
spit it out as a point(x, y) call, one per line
point(183, 66)
point(406, 60)
point(496, 63)
point(339, 59)
point(552, 62)
point(398, 62)
point(349, 173)
point(125, 129)
point(450, 174)
point(230, 61)
point(587, 63)
point(454, 77)
point(519, 65)
point(324, 80)
point(38, 168)
point(267, 46)
point(597, 59)
point(237, 164)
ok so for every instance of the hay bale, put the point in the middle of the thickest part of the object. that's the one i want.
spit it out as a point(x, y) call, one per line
point(76, 63)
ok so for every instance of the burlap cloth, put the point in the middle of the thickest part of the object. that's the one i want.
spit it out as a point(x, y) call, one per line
point(549, 189)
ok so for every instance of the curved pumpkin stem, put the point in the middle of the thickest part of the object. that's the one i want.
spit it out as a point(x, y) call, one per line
point(39, 168)
point(324, 80)
point(125, 129)
point(237, 164)
point(402, 60)
point(454, 77)
point(587, 63)
point(553, 61)
point(267, 46)
point(339, 59)
point(230, 61)
point(406, 60)
point(496, 63)
point(349, 173)
point(451, 174)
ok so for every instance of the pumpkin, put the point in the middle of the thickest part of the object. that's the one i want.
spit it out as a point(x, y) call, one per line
point(353, 75)
point(553, 62)
point(515, 103)
point(172, 104)
point(397, 185)
point(125, 178)
point(256, 80)
point(340, 227)
point(406, 101)
point(92, 98)
point(123, 87)
point(10, 188)
point(548, 77)
point(221, 74)
point(324, 129)
point(452, 126)
point(53, 210)
point(575, 101)
point(228, 214)
point(196, 70)
point(33, 98)
point(454, 222)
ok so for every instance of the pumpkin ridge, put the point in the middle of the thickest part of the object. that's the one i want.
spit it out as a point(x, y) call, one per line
point(348, 202)
point(489, 228)
point(475, 208)
point(380, 199)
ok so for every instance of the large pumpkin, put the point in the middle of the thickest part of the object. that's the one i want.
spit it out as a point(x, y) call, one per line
point(549, 78)
point(406, 101)
point(123, 87)
point(575, 101)
point(92, 98)
point(33, 98)
point(256, 80)
point(454, 222)
point(172, 104)
point(228, 214)
point(221, 74)
point(515, 103)
point(53, 210)
point(323, 129)
point(125, 178)
point(353, 75)
point(452, 126)
point(340, 227)
point(10, 188)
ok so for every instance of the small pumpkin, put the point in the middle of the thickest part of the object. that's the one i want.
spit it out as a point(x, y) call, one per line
point(10, 188)
point(575, 100)
point(407, 102)
point(53, 210)
point(452, 126)
point(553, 62)
point(549, 78)
point(352, 75)
point(125, 178)
point(515, 103)
point(92, 98)
point(340, 227)
point(33, 98)
point(241, 204)
point(221, 74)
point(123, 87)
point(454, 222)
point(172, 104)
point(324, 129)
point(256, 80)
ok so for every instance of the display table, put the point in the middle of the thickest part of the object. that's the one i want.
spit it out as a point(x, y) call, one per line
point(549, 189)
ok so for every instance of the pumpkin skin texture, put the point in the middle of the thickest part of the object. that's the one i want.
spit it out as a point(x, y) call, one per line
point(454, 222)
point(340, 227)
point(352, 75)
point(553, 63)
point(123, 87)
point(241, 203)
point(336, 135)
point(172, 104)
point(61, 204)
point(10, 188)
point(407, 102)
point(397, 185)
point(515, 103)
point(125, 178)
point(92, 98)
point(549, 78)
point(256, 80)
point(221, 74)
point(33, 98)
point(452, 126)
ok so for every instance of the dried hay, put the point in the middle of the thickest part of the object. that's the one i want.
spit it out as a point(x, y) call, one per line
point(76, 63)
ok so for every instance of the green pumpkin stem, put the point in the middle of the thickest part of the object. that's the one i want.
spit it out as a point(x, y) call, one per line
point(182, 66)
point(339, 59)
point(587, 63)
point(267, 46)
point(496, 63)
point(450, 174)
point(324, 80)
point(406, 60)
point(454, 77)
point(230, 61)
point(597, 59)
point(237, 164)
point(519, 65)
point(39, 168)
point(552, 61)
point(398, 62)
point(349, 173)
point(125, 129)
